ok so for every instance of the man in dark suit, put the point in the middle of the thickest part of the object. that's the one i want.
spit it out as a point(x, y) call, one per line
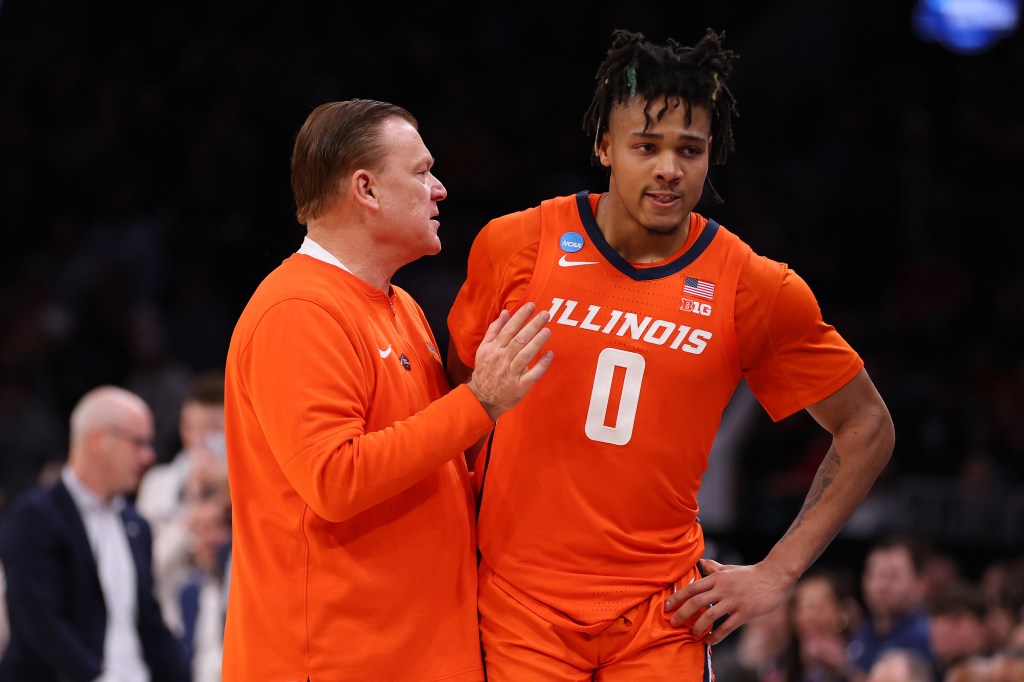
point(77, 559)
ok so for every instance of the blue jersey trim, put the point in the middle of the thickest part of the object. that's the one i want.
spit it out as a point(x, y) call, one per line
point(624, 266)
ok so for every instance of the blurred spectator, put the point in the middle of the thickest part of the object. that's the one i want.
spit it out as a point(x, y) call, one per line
point(901, 665)
point(822, 615)
point(1002, 584)
point(197, 472)
point(995, 668)
point(892, 586)
point(1007, 667)
point(972, 670)
point(204, 595)
point(1015, 642)
point(938, 571)
point(757, 651)
point(958, 630)
point(77, 559)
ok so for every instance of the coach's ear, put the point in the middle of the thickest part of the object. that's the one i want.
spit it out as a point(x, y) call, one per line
point(363, 186)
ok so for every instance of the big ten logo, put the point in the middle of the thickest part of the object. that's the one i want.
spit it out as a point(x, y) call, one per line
point(689, 306)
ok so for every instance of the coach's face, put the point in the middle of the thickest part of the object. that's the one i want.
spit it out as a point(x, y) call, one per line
point(407, 195)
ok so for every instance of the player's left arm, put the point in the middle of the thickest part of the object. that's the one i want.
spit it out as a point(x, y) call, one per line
point(862, 442)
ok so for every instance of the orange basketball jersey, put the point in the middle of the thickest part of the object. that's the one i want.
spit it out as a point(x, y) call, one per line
point(589, 486)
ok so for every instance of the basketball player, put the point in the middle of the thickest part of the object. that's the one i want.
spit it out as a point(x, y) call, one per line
point(591, 551)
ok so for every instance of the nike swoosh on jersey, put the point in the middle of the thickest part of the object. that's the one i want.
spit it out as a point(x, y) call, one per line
point(384, 353)
point(570, 263)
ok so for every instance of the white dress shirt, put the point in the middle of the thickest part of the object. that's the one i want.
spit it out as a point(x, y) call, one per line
point(122, 648)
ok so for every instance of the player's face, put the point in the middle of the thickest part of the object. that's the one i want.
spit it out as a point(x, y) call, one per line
point(409, 194)
point(657, 173)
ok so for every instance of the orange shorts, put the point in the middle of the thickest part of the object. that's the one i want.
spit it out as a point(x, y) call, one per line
point(521, 646)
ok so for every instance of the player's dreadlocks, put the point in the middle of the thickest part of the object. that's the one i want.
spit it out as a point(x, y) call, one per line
point(697, 75)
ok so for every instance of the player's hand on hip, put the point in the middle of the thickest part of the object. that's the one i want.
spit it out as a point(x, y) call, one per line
point(503, 373)
point(726, 598)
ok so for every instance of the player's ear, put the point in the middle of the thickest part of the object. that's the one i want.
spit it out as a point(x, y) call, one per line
point(603, 150)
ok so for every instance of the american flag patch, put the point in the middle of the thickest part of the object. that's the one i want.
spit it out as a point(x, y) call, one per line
point(699, 288)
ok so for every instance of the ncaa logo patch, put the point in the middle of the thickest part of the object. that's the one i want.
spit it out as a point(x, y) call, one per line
point(571, 242)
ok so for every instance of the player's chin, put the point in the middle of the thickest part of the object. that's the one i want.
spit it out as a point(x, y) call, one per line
point(663, 218)
point(665, 228)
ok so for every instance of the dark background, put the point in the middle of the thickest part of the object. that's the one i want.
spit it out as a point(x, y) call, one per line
point(144, 194)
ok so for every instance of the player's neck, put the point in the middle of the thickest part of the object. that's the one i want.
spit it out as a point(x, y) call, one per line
point(633, 241)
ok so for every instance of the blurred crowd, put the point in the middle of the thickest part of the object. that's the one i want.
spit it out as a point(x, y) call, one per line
point(906, 615)
point(144, 192)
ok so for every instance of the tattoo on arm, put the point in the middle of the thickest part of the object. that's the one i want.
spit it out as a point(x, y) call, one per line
point(822, 480)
